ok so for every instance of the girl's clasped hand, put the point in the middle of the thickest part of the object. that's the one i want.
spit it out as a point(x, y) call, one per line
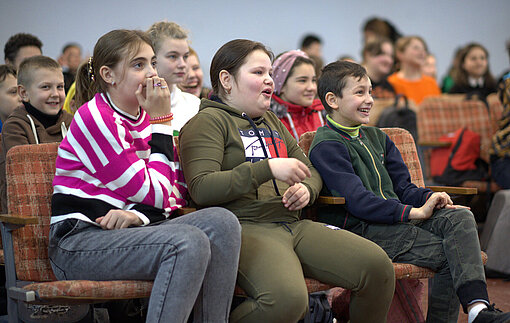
point(292, 172)
point(154, 96)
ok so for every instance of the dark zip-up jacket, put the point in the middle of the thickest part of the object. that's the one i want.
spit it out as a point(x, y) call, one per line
point(369, 172)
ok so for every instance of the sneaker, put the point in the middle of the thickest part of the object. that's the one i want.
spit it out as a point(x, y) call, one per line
point(492, 315)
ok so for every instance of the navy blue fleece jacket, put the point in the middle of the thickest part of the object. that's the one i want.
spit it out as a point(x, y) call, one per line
point(368, 170)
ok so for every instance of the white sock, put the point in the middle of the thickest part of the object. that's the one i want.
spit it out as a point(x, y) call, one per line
point(473, 312)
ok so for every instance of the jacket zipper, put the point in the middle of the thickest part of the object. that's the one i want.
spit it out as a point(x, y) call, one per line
point(375, 167)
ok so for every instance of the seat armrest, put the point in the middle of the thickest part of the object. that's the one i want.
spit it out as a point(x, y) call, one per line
point(18, 219)
point(21, 294)
point(454, 190)
point(331, 200)
point(335, 200)
point(434, 144)
point(185, 210)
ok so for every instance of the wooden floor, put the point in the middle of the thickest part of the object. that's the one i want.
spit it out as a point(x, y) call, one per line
point(499, 293)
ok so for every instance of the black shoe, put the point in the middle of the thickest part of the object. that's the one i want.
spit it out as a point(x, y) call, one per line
point(492, 315)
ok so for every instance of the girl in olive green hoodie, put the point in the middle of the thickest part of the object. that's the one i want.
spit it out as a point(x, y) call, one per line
point(237, 155)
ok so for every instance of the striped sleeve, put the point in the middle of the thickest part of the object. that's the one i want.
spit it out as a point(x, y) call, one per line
point(123, 164)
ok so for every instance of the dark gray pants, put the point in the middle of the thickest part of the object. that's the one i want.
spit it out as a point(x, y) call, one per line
point(448, 244)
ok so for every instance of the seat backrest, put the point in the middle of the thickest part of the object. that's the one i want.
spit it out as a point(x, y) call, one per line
point(439, 116)
point(403, 141)
point(29, 174)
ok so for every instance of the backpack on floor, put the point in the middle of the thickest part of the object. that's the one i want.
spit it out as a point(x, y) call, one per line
point(460, 161)
point(319, 309)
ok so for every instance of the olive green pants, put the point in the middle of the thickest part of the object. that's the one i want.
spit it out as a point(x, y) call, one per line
point(275, 258)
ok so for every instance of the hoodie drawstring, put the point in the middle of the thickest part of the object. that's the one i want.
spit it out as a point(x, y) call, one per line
point(254, 126)
point(63, 129)
point(272, 139)
point(32, 125)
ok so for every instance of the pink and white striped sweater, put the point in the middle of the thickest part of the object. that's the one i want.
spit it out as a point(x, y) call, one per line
point(110, 160)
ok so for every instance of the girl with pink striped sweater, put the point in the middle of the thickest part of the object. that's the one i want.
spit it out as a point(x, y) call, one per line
point(117, 186)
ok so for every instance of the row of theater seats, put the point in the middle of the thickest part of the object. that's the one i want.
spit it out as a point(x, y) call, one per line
point(30, 279)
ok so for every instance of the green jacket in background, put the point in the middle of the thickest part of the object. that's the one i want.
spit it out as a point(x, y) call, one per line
point(225, 165)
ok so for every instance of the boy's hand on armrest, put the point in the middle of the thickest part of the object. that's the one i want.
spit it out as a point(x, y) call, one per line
point(447, 203)
point(289, 170)
point(296, 197)
point(442, 199)
point(438, 200)
point(118, 219)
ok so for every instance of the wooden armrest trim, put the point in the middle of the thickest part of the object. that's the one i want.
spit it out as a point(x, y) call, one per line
point(18, 219)
point(455, 190)
point(185, 210)
point(434, 144)
point(333, 200)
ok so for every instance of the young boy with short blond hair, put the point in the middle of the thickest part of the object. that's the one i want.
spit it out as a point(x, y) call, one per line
point(41, 118)
point(362, 164)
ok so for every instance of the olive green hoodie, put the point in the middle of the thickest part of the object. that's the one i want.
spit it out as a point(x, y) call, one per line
point(225, 165)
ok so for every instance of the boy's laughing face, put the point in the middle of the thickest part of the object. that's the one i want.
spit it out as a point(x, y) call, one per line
point(353, 108)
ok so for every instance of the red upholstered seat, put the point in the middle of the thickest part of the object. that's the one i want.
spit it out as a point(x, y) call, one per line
point(30, 170)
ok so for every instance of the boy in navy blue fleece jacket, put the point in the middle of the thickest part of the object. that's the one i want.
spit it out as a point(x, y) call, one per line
point(412, 224)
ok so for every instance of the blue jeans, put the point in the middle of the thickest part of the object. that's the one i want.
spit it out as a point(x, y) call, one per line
point(192, 259)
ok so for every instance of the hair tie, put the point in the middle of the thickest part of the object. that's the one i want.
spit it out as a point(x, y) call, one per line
point(282, 66)
point(90, 69)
